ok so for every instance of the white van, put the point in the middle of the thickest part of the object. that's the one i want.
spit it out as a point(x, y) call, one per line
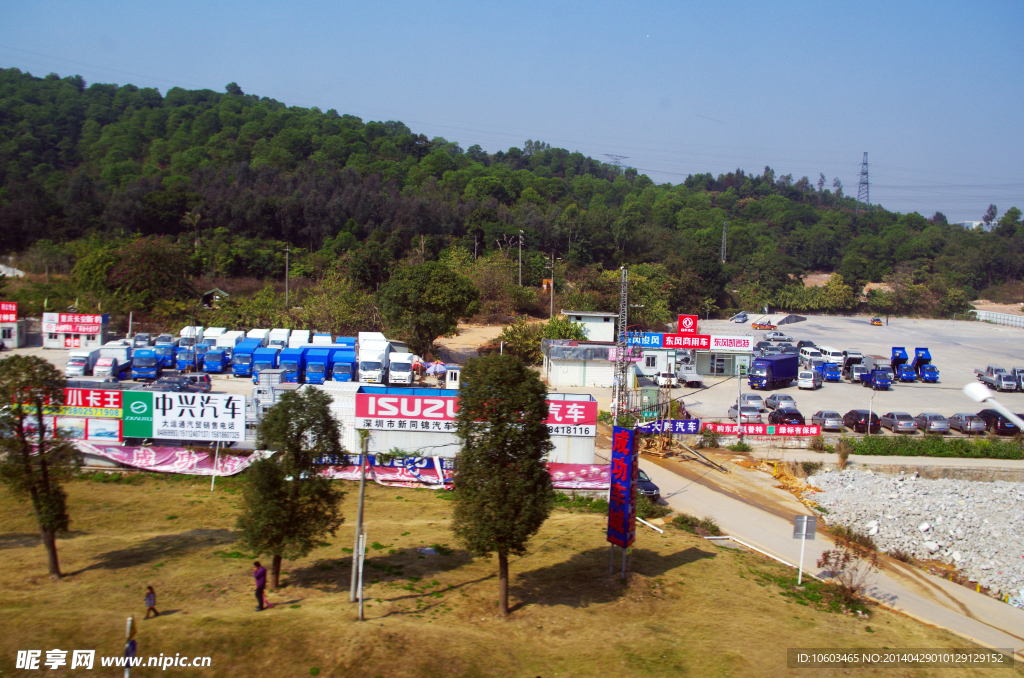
point(809, 352)
point(811, 379)
point(832, 355)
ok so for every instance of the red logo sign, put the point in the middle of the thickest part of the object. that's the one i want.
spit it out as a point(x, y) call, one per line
point(72, 342)
point(687, 341)
point(438, 408)
point(8, 311)
point(688, 324)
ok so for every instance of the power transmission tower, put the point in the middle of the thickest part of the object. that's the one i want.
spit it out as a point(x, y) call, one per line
point(616, 159)
point(863, 189)
point(621, 353)
point(725, 225)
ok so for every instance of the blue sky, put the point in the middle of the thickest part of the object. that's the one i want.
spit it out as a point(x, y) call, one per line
point(932, 90)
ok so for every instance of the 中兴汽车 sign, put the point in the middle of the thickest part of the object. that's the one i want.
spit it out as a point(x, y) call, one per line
point(183, 416)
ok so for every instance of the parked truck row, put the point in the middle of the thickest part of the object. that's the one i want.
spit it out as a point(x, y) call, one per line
point(872, 371)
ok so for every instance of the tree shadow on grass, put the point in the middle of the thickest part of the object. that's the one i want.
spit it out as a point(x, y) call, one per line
point(584, 579)
point(333, 575)
point(17, 540)
point(162, 546)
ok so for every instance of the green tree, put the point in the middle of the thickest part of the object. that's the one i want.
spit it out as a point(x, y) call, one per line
point(264, 309)
point(425, 301)
point(837, 295)
point(288, 508)
point(35, 458)
point(882, 302)
point(152, 269)
point(337, 306)
point(502, 489)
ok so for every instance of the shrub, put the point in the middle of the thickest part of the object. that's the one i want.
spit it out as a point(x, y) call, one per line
point(992, 447)
point(847, 533)
point(709, 438)
point(703, 527)
point(850, 567)
point(647, 509)
point(818, 443)
point(843, 449)
point(740, 447)
point(810, 467)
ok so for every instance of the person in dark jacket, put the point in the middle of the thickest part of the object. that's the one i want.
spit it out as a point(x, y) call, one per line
point(259, 573)
point(151, 602)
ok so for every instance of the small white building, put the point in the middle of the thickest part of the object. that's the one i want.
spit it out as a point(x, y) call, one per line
point(75, 330)
point(578, 364)
point(598, 326)
point(13, 332)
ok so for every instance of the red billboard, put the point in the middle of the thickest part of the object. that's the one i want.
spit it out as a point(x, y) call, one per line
point(687, 341)
point(73, 323)
point(438, 413)
point(688, 324)
point(8, 311)
point(764, 429)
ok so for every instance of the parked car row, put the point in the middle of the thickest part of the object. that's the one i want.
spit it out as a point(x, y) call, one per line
point(784, 411)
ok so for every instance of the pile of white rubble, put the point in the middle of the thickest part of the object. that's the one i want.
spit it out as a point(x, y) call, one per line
point(976, 526)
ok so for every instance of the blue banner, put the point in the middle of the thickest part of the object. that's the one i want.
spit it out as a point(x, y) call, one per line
point(645, 340)
point(679, 426)
point(622, 489)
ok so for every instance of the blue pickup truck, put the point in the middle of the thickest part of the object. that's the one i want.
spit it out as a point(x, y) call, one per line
point(877, 379)
point(215, 361)
point(145, 364)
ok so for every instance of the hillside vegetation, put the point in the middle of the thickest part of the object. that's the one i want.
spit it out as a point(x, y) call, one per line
point(98, 180)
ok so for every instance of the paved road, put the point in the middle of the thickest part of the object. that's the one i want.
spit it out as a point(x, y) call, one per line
point(746, 504)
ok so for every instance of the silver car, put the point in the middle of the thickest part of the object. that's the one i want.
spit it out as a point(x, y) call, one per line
point(770, 350)
point(828, 420)
point(778, 400)
point(899, 422)
point(752, 399)
point(747, 414)
point(929, 422)
point(967, 422)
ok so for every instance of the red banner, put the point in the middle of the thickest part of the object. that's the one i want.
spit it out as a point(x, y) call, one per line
point(701, 341)
point(438, 413)
point(434, 472)
point(8, 311)
point(765, 429)
point(175, 459)
point(688, 324)
point(743, 342)
point(622, 488)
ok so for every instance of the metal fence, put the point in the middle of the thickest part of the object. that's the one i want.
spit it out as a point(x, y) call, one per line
point(999, 318)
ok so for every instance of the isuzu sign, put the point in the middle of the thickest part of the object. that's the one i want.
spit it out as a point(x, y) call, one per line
point(438, 413)
point(688, 324)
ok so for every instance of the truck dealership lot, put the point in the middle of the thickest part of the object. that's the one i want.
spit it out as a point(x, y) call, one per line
point(957, 349)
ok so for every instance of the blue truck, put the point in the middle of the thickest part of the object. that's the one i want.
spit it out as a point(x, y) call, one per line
point(165, 355)
point(900, 367)
point(241, 359)
point(264, 359)
point(293, 362)
point(772, 371)
point(922, 366)
point(831, 372)
point(342, 363)
point(215, 361)
point(317, 365)
point(345, 342)
point(877, 379)
point(145, 364)
point(185, 358)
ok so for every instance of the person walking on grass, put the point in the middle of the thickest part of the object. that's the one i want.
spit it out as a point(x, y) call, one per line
point(151, 602)
point(259, 573)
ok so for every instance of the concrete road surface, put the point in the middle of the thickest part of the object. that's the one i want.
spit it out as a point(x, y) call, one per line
point(745, 504)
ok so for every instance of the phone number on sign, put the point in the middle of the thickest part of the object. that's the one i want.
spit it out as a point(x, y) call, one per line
point(172, 433)
point(560, 430)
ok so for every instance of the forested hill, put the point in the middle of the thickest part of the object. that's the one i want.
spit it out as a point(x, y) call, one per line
point(247, 173)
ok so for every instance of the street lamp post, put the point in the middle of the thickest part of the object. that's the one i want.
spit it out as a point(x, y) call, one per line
point(287, 252)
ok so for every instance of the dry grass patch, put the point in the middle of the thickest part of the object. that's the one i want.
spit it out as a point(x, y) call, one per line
point(689, 608)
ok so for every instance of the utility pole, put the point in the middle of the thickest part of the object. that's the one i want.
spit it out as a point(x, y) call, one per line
point(356, 574)
point(287, 253)
point(725, 226)
point(621, 348)
point(552, 267)
point(863, 189)
point(520, 257)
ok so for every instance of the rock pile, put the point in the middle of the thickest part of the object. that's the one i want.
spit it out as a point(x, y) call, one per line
point(977, 527)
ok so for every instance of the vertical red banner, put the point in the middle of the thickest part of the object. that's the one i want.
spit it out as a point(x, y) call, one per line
point(622, 488)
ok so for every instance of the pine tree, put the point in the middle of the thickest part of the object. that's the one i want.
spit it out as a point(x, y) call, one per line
point(34, 459)
point(503, 491)
point(288, 508)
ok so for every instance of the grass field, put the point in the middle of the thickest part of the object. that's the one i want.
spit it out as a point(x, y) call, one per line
point(690, 608)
